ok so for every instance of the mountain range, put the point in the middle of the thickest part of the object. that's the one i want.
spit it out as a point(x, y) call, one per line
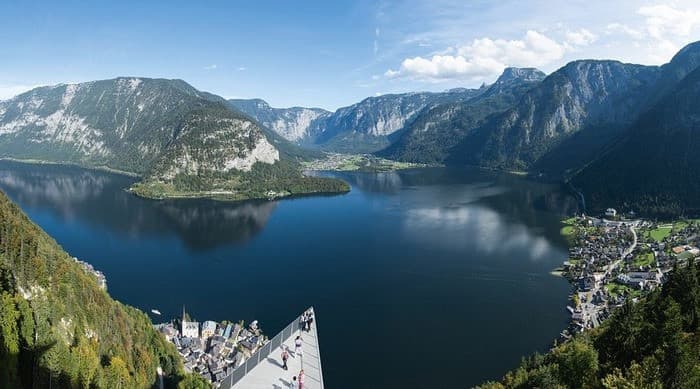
point(594, 123)
point(365, 127)
point(572, 125)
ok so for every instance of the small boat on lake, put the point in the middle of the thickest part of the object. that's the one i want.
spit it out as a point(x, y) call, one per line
point(155, 311)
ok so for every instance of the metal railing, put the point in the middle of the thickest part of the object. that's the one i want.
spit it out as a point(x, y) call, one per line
point(262, 353)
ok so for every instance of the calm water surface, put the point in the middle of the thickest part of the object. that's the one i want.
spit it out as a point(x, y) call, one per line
point(423, 278)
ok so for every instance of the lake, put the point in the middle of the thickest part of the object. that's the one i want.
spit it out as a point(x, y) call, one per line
point(420, 278)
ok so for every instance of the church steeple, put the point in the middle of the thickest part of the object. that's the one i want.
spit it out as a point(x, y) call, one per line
point(182, 330)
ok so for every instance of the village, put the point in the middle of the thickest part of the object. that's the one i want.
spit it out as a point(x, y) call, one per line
point(617, 258)
point(213, 350)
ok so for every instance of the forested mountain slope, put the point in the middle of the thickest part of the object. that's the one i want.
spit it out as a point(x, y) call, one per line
point(58, 328)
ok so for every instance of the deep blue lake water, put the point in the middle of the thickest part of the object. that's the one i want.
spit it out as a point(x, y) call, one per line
point(421, 278)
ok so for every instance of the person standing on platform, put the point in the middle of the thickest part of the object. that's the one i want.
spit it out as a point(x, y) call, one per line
point(301, 379)
point(309, 321)
point(285, 356)
point(302, 322)
point(297, 347)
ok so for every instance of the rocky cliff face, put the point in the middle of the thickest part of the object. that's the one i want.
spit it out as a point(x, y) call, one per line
point(213, 140)
point(511, 74)
point(294, 124)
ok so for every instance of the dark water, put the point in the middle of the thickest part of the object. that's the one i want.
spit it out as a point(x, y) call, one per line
point(427, 278)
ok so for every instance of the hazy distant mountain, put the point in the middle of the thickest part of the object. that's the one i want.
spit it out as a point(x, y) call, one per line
point(368, 125)
point(362, 127)
point(180, 139)
point(295, 124)
point(435, 131)
point(655, 166)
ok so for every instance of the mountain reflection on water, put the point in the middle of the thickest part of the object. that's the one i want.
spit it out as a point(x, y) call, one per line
point(102, 199)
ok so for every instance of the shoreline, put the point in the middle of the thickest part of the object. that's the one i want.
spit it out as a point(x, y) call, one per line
point(340, 162)
point(221, 196)
point(106, 169)
point(208, 195)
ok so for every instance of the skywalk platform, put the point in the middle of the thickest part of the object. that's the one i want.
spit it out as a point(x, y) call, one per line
point(268, 372)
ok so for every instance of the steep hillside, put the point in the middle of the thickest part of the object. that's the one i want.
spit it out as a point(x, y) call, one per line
point(164, 130)
point(655, 168)
point(593, 100)
point(58, 328)
point(429, 138)
point(682, 64)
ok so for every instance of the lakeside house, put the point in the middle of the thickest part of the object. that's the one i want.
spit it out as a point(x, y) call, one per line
point(208, 329)
point(190, 329)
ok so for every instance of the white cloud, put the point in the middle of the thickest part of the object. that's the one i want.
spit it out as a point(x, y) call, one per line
point(663, 20)
point(242, 68)
point(483, 57)
point(581, 37)
point(211, 67)
point(10, 91)
point(663, 30)
point(648, 32)
point(615, 28)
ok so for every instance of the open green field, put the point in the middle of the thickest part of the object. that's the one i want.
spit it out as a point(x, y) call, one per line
point(645, 259)
point(569, 227)
point(660, 233)
point(567, 230)
point(616, 289)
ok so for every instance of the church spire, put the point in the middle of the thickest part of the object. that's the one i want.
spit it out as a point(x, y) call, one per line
point(182, 330)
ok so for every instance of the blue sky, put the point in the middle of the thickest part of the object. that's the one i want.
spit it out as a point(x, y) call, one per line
point(327, 53)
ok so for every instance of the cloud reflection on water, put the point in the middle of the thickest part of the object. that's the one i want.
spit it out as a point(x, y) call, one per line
point(460, 227)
